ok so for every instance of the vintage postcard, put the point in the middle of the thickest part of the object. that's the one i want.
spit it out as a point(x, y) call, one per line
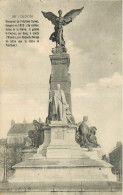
point(61, 97)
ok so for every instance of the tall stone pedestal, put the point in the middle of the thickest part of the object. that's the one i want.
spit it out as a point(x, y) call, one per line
point(60, 75)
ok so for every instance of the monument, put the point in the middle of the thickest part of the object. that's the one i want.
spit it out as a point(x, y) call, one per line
point(70, 152)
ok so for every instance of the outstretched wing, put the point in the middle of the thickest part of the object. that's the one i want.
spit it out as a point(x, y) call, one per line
point(71, 15)
point(50, 16)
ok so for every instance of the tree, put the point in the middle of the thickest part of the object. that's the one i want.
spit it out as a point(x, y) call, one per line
point(3, 158)
point(115, 158)
point(3, 162)
point(14, 153)
point(9, 156)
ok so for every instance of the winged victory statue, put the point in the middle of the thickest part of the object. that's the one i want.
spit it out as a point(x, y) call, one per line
point(59, 22)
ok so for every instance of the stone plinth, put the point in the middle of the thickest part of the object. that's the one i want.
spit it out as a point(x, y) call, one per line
point(42, 150)
point(62, 143)
point(60, 74)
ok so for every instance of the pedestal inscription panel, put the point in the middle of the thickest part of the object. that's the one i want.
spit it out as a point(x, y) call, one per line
point(59, 134)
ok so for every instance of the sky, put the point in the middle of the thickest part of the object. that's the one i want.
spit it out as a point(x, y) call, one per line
point(93, 41)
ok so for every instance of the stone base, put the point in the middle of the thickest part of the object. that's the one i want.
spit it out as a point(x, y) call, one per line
point(62, 143)
point(58, 123)
point(59, 50)
point(28, 153)
point(64, 160)
point(42, 150)
point(49, 170)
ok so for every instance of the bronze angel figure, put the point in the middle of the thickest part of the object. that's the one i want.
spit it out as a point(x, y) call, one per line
point(59, 22)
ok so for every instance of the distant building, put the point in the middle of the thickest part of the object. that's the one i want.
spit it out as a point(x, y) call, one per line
point(3, 142)
point(18, 132)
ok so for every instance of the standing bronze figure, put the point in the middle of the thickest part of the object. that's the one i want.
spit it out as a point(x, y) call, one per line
point(59, 22)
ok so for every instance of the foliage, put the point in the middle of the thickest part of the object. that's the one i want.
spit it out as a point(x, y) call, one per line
point(10, 155)
point(105, 158)
point(14, 155)
point(115, 158)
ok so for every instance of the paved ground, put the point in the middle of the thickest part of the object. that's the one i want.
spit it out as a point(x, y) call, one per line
point(62, 187)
